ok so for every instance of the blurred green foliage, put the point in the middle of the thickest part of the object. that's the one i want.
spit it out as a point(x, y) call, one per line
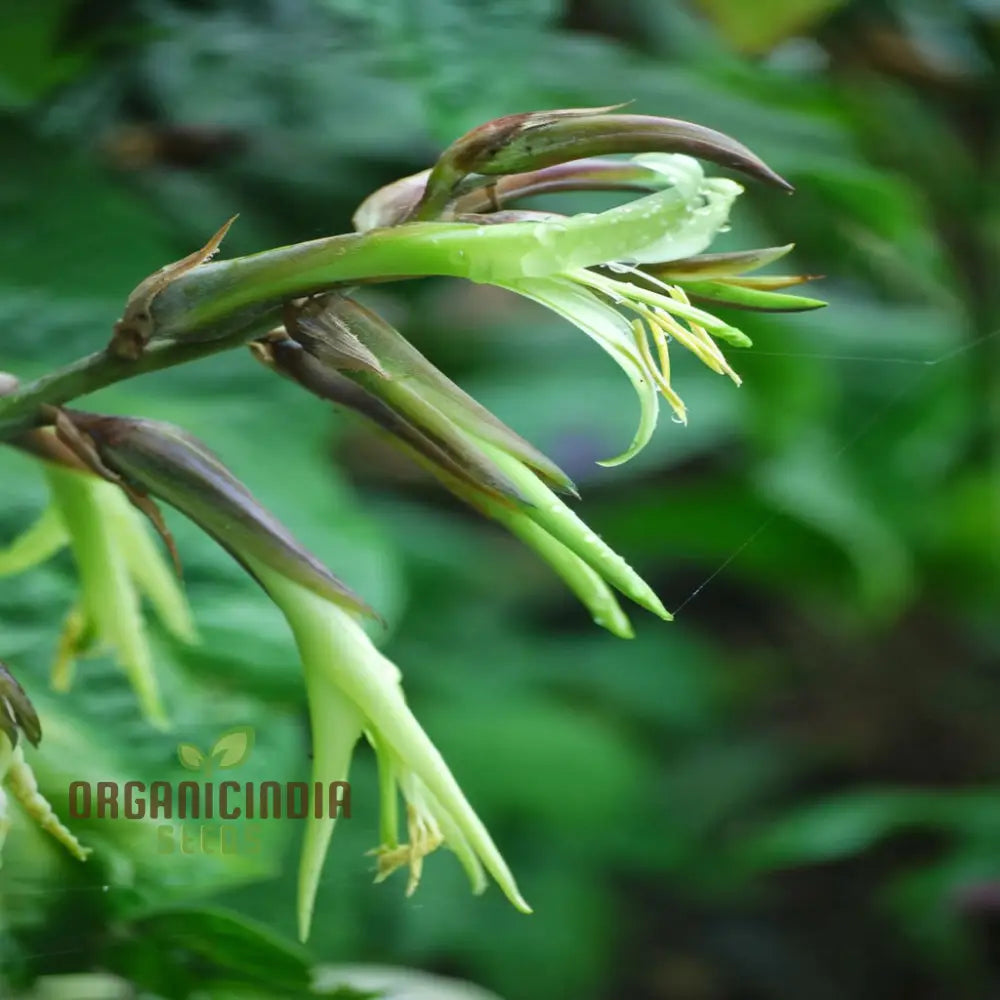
point(794, 790)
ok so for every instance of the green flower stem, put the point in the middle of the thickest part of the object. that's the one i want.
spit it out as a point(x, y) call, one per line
point(19, 410)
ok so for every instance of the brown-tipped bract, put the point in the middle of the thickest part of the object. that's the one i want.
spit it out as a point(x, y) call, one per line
point(534, 140)
point(17, 714)
point(175, 467)
point(414, 389)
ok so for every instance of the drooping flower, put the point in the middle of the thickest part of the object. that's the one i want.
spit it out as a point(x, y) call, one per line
point(352, 689)
point(345, 353)
point(118, 564)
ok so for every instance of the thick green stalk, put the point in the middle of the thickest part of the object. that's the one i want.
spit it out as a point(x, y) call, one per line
point(20, 410)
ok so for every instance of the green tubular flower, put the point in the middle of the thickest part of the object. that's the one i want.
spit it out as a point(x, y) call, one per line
point(678, 220)
point(352, 689)
point(17, 716)
point(637, 299)
point(110, 604)
point(118, 563)
point(588, 585)
point(605, 274)
point(466, 473)
point(485, 463)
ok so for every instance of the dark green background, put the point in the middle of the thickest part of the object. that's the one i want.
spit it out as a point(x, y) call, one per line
point(792, 791)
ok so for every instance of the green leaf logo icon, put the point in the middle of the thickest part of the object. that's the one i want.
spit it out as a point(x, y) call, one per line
point(190, 756)
point(233, 747)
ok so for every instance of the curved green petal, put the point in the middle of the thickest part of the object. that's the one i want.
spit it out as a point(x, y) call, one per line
point(551, 514)
point(605, 325)
point(109, 598)
point(335, 642)
point(336, 726)
point(39, 542)
point(588, 585)
point(150, 570)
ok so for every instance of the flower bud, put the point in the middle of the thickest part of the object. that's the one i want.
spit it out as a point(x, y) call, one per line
point(396, 202)
point(409, 384)
point(718, 278)
point(523, 142)
point(169, 464)
point(17, 714)
point(428, 402)
point(455, 456)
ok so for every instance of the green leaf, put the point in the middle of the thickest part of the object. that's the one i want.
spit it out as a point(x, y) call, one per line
point(229, 941)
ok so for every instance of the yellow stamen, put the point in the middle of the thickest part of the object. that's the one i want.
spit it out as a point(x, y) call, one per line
point(425, 838)
point(660, 375)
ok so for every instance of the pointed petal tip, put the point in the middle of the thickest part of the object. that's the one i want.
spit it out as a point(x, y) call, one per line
point(304, 918)
point(653, 604)
point(621, 628)
point(517, 900)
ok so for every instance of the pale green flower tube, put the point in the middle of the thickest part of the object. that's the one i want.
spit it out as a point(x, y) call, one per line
point(40, 542)
point(117, 559)
point(559, 521)
point(152, 574)
point(344, 670)
point(109, 598)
